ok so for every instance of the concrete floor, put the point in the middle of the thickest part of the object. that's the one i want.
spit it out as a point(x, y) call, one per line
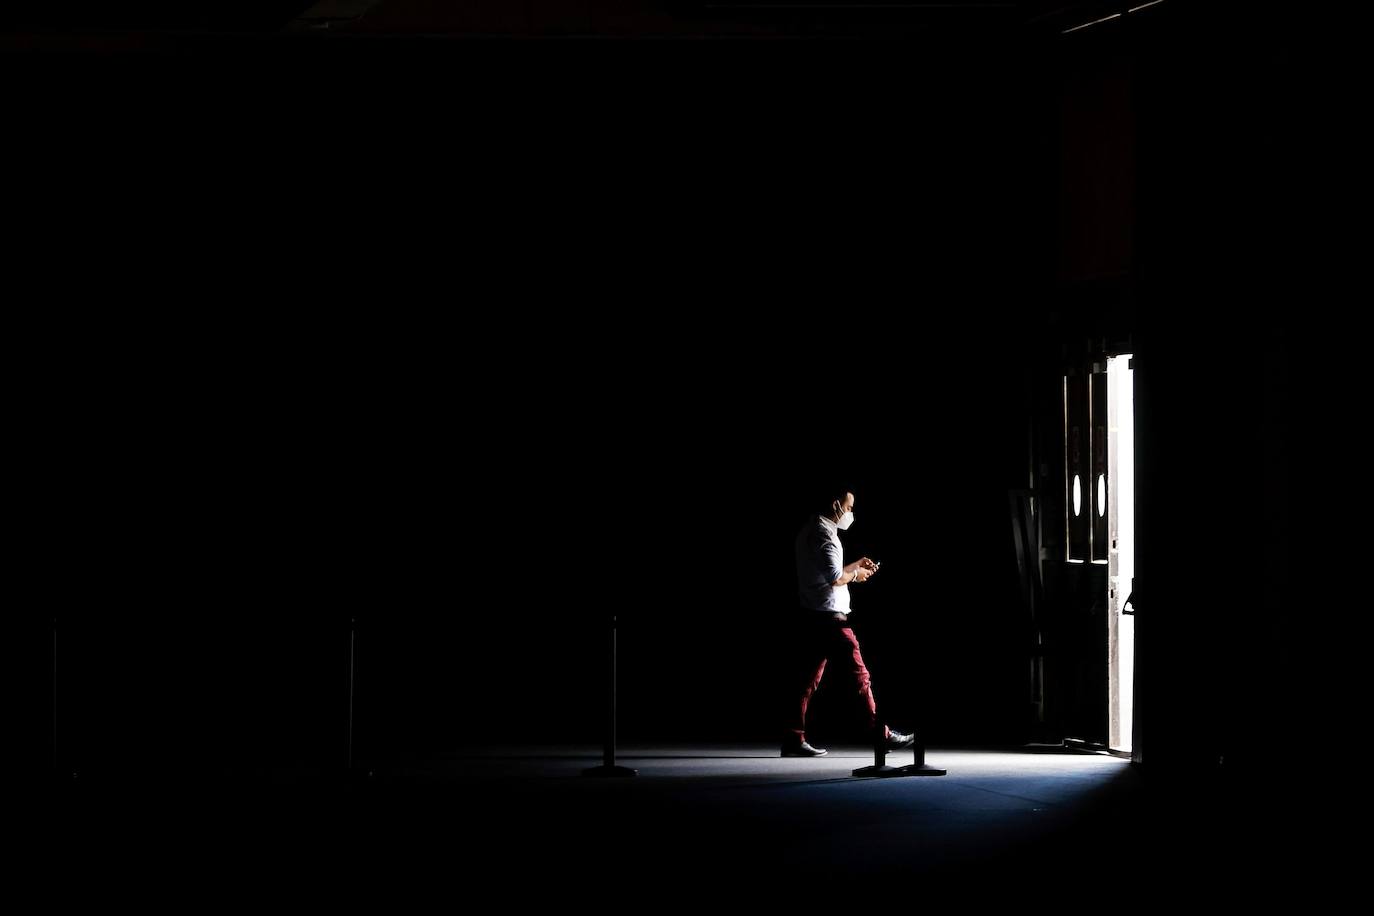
point(726, 825)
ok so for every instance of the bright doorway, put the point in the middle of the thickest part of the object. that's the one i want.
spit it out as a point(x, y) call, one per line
point(1121, 554)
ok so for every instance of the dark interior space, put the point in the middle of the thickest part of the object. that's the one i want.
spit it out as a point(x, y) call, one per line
point(374, 356)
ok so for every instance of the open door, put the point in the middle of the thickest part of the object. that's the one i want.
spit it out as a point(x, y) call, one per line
point(1094, 633)
point(1117, 490)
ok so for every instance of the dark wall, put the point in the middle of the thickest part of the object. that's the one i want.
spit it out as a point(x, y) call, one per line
point(1218, 302)
point(85, 15)
point(607, 402)
point(480, 523)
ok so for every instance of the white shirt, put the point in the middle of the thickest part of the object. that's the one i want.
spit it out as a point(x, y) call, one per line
point(820, 561)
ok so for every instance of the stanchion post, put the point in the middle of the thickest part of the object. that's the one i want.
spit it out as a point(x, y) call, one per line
point(608, 766)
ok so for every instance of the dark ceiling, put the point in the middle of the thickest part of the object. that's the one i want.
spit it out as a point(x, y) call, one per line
point(866, 18)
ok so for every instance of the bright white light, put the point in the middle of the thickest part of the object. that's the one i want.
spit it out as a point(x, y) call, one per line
point(1101, 495)
point(1120, 394)
point(1094, 22)
point(1077, 497)
point(1143, 5)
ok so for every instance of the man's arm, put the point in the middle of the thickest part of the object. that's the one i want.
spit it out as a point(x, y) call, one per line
point(861, 570)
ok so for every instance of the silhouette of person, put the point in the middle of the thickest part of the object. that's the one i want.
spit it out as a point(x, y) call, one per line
point(822, 635)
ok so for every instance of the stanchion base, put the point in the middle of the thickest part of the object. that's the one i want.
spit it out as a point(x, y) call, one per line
point(920, 769)
point(876, 770)
point(604, 771)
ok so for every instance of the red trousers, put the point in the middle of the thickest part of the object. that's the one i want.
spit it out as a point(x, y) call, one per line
point(823, 641)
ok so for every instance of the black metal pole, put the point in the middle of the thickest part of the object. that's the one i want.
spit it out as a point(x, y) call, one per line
point(879, 767)
point(352, 640)
point(608, 755)
point(920, 767)
point(54, 694)
point(608, 766)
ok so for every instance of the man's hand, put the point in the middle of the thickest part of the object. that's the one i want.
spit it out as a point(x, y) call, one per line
point(864, 569)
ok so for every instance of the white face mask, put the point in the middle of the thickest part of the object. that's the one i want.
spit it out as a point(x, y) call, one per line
point(845, 521)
